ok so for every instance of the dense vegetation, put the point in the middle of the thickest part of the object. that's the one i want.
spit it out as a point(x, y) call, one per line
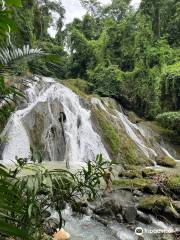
point(131, 55)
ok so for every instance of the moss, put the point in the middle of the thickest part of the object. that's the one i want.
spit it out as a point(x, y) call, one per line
point(133, 117)
point(109, 132)
point(80, 87)
point(173, 183)
point(169, 135)
point(166, 162)
point(121, 147)
point(149, 202)
point(136, 183)
point(131, 174)
point(150, 172)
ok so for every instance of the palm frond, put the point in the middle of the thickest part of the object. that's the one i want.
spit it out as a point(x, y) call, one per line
point(9, 54)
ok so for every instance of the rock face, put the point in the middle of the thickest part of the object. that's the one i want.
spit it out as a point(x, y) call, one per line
point(64, 126)
point(56, 123)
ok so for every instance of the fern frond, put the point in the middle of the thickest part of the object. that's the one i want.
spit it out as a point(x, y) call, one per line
point(9, 54)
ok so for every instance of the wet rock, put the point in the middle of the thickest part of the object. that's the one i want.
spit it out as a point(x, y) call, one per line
point(140, 238)
point(168, 237)
point(176, 204)
point(102, 211)
point(99, 219)
point(137, 193)
point(142, 217)
point(149, 203)
point(113, 205)
point(131, 174)
point(50, 226)
point(173, 183)
point(152, 188)
point(171, 214)
point(119, 218)
point(150, 172)
point(46, 214)
point(166, 162)
point(80, 206)
point(129, 213)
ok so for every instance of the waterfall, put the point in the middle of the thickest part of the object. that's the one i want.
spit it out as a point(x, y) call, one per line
point(58, 122)
point(140, 135)
point(130, 130)
point(39, 124)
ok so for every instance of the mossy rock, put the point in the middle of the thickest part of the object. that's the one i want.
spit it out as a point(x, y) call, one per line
point(173, 183)
point(121, 148)
point(166, 162)
point(133, 117)
point(149, 202)
point(109, 133)
point(136, 183)
point(131, 174)
point(80, 87)
point(150, 172)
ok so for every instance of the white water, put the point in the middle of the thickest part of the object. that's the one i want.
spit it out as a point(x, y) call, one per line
point(130, 130)
point(82, 142)
point(138, 134)
point(47, 97)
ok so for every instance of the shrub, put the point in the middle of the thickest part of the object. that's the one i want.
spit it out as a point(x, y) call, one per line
point(171, 87)
point(170, 120)
point(107, 81)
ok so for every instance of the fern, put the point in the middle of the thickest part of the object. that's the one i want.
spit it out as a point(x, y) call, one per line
point(9, 54)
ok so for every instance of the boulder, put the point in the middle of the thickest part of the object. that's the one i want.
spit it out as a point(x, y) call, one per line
point(50, 226)
point(102, 211)
point(113, 205)
point(137, 193)
point(61, 235)
point(109, 207)
point(171, 214)
point(101, 220)
point(46, 214)
point(173, 183)
point(152, 188)
point(166, 162)
point(176, 205)
point(142, 217)
point(129, 214)
point(119, 218)
point(131, 174)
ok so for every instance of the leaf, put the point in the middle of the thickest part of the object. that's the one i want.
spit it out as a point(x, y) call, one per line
point(30, 210)
point(10, 230)
point(15, 3)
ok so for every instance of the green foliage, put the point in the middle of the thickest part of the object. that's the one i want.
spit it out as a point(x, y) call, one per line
point(80, 87)
point(107, 81)
point(171, 87)
point(170, 120)
point(110, 135)
point(25, 197)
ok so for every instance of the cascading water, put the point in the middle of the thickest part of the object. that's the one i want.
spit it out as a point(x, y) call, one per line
point(40, 123)
point(137, 133)
point(57, 122)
